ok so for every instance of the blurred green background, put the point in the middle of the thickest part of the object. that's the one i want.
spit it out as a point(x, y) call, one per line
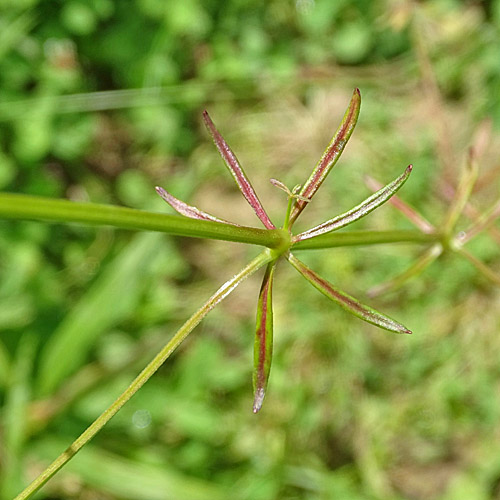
point(100, 101)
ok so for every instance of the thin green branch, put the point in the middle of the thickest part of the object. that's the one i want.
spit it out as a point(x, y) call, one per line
point(359, 238)
point(20, 206)
point(262, 259)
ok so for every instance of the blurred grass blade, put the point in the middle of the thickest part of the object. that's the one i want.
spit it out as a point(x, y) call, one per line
point(425, 260)
point(330, 156)
point(12, 31)
point(349, 303)
point(359, 211)
point(106, 303)
point(14, 417)
point(187, 210)
point(148, 477)
point(462, 194)
point(410, 213)
point(262, 259)
point(237, 172)
point(263, 347)
point(481, 266)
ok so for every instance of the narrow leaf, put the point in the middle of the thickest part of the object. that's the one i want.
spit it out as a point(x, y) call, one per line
point(471, 213)
point(237, 172)
point(346, 301)
point(481, 266)
point(359, 211)
point(330, 156)
point(462, 194)
point(417, 267)
point(410, 213)
point(263, 347)
point(187, 210)
point(483, 222)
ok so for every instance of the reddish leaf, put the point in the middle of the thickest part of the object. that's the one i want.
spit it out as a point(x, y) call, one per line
point(346, 301)
point(330, 156)
point(187, 210)
point(237, 172)
point(263, 347)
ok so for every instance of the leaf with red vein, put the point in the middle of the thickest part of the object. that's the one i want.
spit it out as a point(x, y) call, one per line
point(330, 156)
point(188, 210)
point(237, 172)
point(359, 211)
point(346, 301)
point(263, 347)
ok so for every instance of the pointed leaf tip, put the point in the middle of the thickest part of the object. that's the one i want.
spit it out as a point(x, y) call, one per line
point(187, 210)
point(236, 170)
point(263, 346)
point(331, 154)
point(258, 400)
point(359, 211)
point(346, 301)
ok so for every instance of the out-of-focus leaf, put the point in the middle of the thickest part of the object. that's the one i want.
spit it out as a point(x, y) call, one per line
point(263, 347)
point(4, 364)
point(349, 303)
point(463, 192)
point(237, 172)
point(128, 478)
point(110, 300)
point(14, 417)
point(425, 260)
point(481, 267)
point(410, 213)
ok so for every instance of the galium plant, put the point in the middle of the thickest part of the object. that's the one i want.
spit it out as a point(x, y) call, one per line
point(298, 198)
point(280, 244)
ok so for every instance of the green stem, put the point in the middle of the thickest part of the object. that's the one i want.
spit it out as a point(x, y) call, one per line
point(20, 206)
point(262, 259)
point(358, 238)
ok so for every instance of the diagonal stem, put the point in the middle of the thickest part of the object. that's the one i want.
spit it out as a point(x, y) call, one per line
point(262, 259)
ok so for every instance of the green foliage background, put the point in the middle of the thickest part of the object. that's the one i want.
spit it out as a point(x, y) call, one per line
point(101, 101)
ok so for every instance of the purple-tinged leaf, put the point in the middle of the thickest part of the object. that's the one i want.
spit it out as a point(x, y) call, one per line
point(417, 267)
point(410, 213)
point(359, 211)
point(330, 156)
point(263, 347)
point(237, 172)
point(188, 210)
point(346, 301)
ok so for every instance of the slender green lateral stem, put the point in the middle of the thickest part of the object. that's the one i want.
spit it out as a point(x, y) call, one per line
point(262, 259)
point(20, 206)
point(359, 238)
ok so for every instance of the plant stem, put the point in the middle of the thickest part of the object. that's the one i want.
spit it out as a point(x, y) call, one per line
point(20, 206)
point(358, 238)
point(262, 259)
